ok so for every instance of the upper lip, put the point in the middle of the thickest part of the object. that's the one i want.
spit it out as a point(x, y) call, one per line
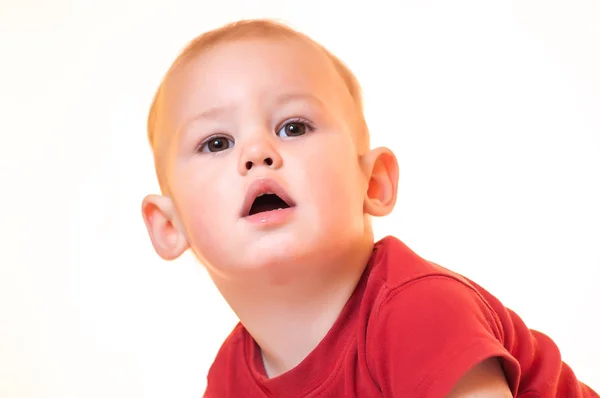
point(264, 186)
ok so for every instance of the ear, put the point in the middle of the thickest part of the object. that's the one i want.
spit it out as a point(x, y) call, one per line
point(167, 237)
point(381, 168)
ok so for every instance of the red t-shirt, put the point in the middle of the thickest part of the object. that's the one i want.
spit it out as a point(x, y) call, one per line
point(410, 329)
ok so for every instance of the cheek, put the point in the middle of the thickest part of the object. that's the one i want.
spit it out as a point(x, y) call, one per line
point(341, 192)
point(205, 201)
point(334, 181)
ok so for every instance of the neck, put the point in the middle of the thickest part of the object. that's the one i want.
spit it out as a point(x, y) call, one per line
point(302, 310)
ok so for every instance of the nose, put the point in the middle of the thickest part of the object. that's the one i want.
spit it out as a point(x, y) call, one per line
point(259, 153)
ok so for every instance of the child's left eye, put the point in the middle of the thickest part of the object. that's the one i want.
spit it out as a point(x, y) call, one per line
point(294, 129)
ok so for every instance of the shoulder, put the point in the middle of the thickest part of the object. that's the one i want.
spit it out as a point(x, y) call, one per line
point(429, 326)
point(395, 264)
point(403, 277)
point(437, 311)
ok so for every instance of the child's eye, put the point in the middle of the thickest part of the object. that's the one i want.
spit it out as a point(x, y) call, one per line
point(294, 128)
point(215, 144)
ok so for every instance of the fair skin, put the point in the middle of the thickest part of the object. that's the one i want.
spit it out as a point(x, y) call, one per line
point(257, 110)
point(485, 380)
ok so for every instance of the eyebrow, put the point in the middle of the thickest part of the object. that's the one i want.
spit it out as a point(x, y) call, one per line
point(287, 98)
point(215, 112)
point(211, 113)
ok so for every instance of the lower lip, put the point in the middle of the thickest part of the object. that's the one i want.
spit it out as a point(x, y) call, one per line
point(271, 218)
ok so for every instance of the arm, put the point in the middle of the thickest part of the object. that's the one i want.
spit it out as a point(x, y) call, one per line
point(485, 380)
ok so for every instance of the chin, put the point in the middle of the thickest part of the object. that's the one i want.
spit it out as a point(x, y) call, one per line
point(297, 244)
point(277, 247)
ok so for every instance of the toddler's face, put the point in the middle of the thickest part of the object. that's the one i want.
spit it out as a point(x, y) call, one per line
point(271, 118)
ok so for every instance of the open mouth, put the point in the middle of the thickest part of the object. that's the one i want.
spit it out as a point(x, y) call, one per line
point(266, 196)
point(267, 202)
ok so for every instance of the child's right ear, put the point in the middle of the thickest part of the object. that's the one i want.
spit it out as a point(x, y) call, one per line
point(167, 237)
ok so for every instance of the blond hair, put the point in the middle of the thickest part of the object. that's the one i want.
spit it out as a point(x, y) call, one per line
point(246, 29)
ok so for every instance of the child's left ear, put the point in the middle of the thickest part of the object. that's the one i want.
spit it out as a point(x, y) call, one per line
point(381, 168)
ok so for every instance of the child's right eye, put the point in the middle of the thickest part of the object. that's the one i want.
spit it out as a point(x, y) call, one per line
point(215, 144)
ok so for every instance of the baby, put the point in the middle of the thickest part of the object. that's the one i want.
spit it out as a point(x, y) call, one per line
point(263, 157)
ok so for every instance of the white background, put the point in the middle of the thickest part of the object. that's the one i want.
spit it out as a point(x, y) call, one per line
point(493, 111)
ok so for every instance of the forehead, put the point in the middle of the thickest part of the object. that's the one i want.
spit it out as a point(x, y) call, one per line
point(229, 74)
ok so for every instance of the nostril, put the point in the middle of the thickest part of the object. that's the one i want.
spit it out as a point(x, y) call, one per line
point(248, 165)
point(269, 161)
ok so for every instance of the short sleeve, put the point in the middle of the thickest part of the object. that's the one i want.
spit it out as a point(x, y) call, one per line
point(429, 333)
